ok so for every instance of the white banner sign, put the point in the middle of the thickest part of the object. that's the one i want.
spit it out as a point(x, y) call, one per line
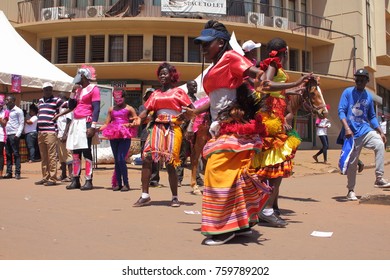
point(194, 6)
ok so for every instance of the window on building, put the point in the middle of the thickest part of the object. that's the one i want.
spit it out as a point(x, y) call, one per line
point(48, 3)
point(82, 3)
point(235, 8)
point(385, 94)
point(46, 49)
point(135, 46)
point(97, 48)
point(177, 49)
point(159, 48)
point(291, 10)
point(193, 51)
point(156, 2)
point(99, 2)
point(304, 12)
point(116, 48)
point(62, 50)
point(306, 58)
point(264, 7)
point(66, 3)
point(369, 37)
point(112, 2)
point(79, 48)
point(278, 8)
point(293, 59)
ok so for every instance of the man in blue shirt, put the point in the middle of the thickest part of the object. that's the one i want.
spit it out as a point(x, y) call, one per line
point(357, 115)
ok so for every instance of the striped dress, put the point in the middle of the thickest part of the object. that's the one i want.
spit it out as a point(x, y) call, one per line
point(165, 135)
point(233, 194)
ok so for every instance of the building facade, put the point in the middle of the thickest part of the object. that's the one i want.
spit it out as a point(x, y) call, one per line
point(126, 40)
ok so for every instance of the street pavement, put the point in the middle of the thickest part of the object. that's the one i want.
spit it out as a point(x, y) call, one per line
point(38, 222)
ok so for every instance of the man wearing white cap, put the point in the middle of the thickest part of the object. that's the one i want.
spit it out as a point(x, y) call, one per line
point(250, 50)
point(48, 107)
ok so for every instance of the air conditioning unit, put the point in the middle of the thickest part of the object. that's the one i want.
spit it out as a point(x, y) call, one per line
point(280, 22)
point(256, 18)
point(95, 11)
point(52, 13)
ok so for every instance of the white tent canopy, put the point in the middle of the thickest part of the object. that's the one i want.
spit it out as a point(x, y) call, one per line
point(17, 57)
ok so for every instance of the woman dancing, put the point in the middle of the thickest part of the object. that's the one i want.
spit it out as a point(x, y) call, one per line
point(233, 193)
point(165, 135)
point(281, 143)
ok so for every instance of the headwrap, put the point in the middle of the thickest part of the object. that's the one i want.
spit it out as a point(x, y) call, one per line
point(274, 53)
point(86, 71)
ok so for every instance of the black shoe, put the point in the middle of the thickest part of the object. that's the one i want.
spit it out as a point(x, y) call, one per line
point(117, 188)
point(273, 220)
point(17, 176)
point(126, 188)
point(360, 167)
point(277, 212)
point(41, 182)
point(243, 232)
point(87, 185)
point(7, 176)
point(50, 183)
point(75, 184)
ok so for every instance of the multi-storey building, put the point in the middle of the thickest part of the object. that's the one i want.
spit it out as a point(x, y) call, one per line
point(125, 40)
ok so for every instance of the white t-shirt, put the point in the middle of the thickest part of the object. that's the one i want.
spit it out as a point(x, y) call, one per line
point(31, 127)
point(61, 122)
point(322, 127)
point(383, 125)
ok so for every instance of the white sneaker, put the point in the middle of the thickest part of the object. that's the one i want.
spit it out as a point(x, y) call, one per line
point(381, 183)
point(219, 239)
point(351, 196)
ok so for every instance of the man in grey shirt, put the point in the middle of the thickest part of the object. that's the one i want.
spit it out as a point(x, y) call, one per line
point(14, 129)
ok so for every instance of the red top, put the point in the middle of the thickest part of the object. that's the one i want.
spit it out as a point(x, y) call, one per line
point(172, 99)
point(227, 73)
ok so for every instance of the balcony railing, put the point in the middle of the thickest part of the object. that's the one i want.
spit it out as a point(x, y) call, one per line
point(254, 14)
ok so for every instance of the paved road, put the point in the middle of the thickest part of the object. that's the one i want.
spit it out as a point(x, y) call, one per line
point(53, 223)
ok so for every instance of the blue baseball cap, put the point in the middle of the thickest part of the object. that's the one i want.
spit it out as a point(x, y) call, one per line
point(209, 34)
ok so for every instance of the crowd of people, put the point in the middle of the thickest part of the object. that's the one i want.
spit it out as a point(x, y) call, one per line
point(249, 131)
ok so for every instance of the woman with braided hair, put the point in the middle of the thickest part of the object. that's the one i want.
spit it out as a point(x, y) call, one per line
point(281, 143)
point(233, 194)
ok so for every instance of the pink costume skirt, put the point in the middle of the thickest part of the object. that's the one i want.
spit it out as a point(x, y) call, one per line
point(118, 131)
